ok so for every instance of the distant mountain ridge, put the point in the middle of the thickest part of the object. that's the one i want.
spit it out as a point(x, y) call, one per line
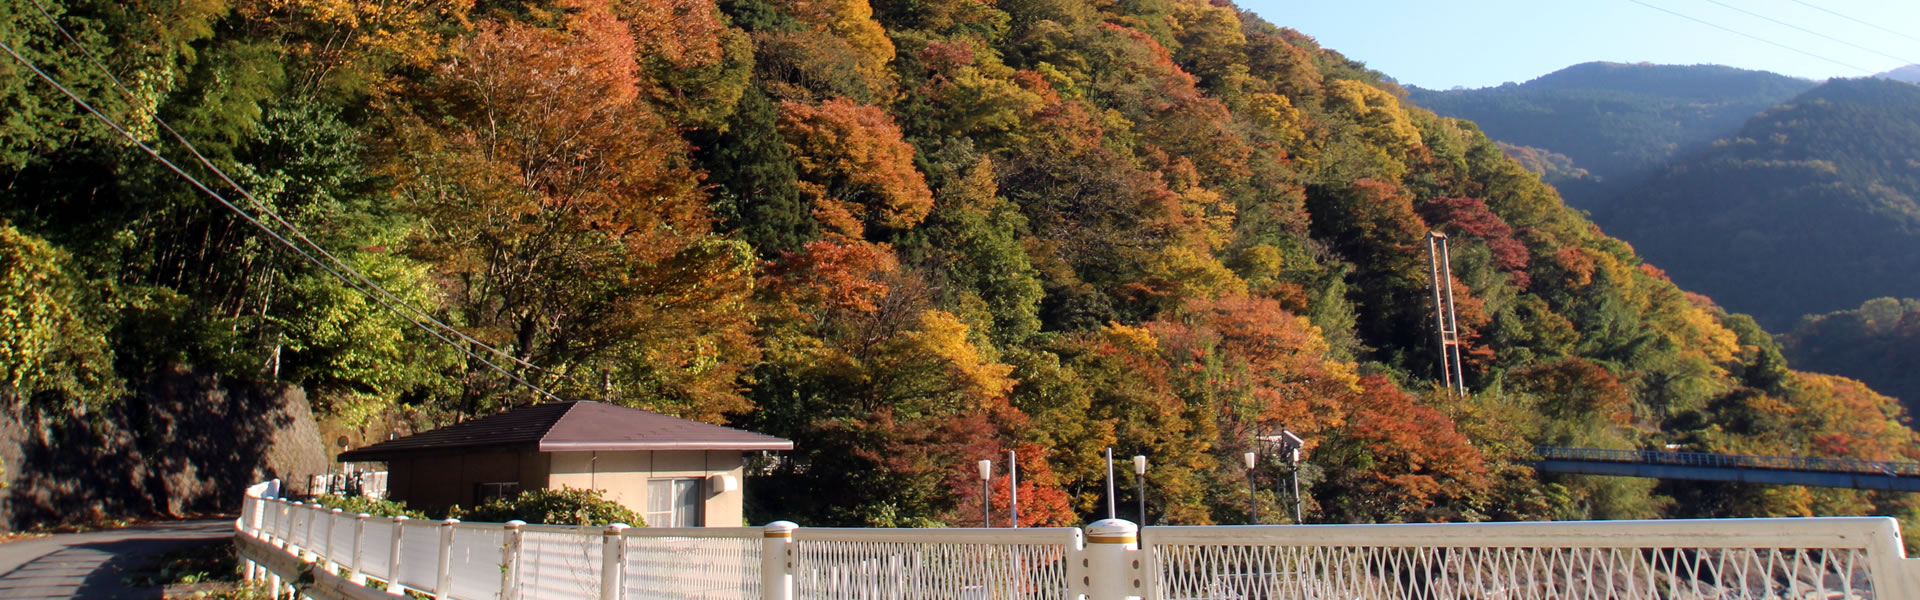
point(1617, 121)
point(1909, 74)
point(1810, 208)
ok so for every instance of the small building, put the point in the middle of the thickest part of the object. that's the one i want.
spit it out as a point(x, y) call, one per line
point(674, 472)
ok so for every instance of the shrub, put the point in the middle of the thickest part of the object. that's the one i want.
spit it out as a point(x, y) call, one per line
point(565, 506)
point(372, 506)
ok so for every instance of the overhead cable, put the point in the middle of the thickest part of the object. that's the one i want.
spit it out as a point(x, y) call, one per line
point(249, 218)
point(1749, 35)
point(1812, 32)
point(263, 208)
point(1860, 21)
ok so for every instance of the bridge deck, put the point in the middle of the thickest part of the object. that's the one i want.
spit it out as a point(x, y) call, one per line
point(1705, 466)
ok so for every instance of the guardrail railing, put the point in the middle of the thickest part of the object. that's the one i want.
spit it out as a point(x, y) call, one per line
point(304, 551)
point(1745, 461)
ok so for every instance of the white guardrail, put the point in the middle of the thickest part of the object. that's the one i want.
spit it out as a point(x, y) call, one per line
point(304, 551)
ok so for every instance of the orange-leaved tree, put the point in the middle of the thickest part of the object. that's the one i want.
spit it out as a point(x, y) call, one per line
point(567, 227)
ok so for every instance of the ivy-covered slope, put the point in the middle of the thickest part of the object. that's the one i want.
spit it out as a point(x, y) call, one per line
point(906, 234)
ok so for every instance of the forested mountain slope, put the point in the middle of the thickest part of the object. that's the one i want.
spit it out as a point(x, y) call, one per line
point(1809, 209)
point(1877, 343)
point(1616, 121)
point(905, 234)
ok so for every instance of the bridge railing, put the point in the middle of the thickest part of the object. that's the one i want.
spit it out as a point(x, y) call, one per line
point(306, 551)
point(1709, 459)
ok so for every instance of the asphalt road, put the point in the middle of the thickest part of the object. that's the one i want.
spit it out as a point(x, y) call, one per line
point(88, 566)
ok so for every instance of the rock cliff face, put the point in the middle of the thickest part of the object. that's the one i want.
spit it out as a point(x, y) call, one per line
point(184, 444)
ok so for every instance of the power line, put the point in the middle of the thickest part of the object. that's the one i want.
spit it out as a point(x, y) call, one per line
point(1866, 23)
point(1749, 35)
point(1812, 32)
point(117, 128)
point(275, 216)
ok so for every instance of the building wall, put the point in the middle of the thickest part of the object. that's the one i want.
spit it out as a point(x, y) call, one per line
point(435, 482)
point(624, 476)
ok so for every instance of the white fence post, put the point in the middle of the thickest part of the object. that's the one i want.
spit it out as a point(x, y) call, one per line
point(443, 569)
point(332, 559)
point(270, 524)
point(613, 561)
point(295, 542)
point(776, 564)
point(1112, 544)
point(358, 562)
point(393, 558)
point(510, 561)
point(1893, 575)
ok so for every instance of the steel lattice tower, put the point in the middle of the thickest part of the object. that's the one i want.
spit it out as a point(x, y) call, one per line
point(1440, 267)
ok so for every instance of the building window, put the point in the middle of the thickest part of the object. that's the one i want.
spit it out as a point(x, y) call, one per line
point(674, 503)
point(493, 490)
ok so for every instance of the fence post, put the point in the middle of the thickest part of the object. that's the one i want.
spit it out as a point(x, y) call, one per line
point(613, 561)
point(393, 558)
point(332, 560)
point(274, 524)
point(510, 562)
point(358, 561)
point(295, 541)
point(1894, 575)
point(307, 552)
point(776, 561)
point(1113, 556)
point(269, 522)
point(443, 569)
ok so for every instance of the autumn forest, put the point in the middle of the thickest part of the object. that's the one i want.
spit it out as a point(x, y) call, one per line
point(906, 234)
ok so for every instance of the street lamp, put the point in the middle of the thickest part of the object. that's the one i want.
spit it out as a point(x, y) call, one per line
point(1253, 492)
point(986, 493)
point(1140, 478)
point(1013, 489)
point(1290, 446)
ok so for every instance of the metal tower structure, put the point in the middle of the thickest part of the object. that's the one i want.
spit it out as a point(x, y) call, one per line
point(1440, 266)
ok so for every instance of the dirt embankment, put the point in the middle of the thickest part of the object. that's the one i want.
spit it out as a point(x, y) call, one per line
point(182, 444)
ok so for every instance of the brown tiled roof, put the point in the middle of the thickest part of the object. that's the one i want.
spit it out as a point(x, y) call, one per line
point(575, 427)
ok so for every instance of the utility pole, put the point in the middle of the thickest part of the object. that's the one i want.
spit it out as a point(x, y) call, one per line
point(1440, 266)
point(1110, 514)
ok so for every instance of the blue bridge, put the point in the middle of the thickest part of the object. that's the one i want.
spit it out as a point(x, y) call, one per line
point(1706, 466)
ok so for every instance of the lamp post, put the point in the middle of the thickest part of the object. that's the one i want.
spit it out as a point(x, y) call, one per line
point(1253, 492)
point(1290, 446)
point(1013, 489)
point(986, 493)
point(1293, 476)
point(1140, 479)
point(1110, 514)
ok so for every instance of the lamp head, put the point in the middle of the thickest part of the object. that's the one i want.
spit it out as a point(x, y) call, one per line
point(986, 469)
point(1139, 465)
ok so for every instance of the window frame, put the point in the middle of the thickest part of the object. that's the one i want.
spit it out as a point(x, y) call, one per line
point(673, 515)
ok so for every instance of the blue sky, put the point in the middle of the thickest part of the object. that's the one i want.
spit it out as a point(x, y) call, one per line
point(1477, 43)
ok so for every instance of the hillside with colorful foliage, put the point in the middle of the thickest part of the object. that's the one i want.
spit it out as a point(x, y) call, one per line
point(906, 234)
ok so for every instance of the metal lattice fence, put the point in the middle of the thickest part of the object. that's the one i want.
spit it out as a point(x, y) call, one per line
point(1679, 560)
point(336, 555)
point(951, 563)
point(723, 564)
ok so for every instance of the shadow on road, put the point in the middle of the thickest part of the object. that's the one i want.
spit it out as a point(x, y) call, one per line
point(99, 568)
